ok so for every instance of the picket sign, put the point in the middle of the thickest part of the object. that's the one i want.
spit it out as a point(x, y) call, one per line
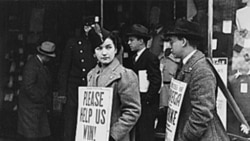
point(177, 93)
point(94, 113)
point(177, 90)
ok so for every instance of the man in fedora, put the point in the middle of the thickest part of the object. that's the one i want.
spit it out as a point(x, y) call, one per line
point(146, 66)
point(198, 119)
point(33, 124)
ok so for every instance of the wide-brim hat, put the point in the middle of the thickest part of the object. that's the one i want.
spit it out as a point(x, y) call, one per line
point(47, 48)
point(186, 29)
point(139, 31)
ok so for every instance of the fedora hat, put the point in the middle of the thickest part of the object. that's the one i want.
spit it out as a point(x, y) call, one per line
point(185, 28)
point(47, 48)
point(139, 31)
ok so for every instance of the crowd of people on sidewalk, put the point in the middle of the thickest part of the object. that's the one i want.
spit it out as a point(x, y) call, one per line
point(140, 92)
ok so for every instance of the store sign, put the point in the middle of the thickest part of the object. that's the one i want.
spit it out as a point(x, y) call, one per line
point(177, 90)
point(94, 112)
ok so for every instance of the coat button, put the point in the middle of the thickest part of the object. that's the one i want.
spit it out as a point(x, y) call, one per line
point(82, 60)
point(83, 70)
point(81, 51)
point(83, 79)
point(79, 42)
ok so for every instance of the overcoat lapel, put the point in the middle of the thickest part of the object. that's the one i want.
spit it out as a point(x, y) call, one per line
point(109, 75)
point(43, 70)
point(138, 62)
point(188, 67)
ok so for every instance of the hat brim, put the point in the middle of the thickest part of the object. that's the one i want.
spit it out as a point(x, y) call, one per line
point(49, 54)
point(190, 35)
point(147, 37)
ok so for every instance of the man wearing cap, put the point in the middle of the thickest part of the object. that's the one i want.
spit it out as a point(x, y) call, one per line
point(77, 61)
point(146, 66)
point(34, 95)
point(198, 119)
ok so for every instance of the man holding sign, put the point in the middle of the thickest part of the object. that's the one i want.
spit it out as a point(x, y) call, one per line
point(198, 120)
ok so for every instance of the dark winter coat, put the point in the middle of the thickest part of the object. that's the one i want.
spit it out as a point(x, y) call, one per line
point(33, 100)
point(77, 61)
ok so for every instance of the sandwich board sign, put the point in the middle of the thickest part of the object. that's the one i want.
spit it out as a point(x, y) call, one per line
point(94, 113)
point(177, 91)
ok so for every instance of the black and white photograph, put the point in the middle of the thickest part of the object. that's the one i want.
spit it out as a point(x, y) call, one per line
point(124, 70)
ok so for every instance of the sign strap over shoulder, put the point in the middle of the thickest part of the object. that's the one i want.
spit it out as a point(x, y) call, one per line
point(230, 100)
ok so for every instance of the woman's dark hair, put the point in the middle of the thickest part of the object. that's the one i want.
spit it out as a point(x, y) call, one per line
point(96, 40)
point(114, 36)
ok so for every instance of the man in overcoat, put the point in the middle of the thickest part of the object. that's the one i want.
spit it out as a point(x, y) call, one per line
point(198, 119)
point(145, 61)
point(33, 124)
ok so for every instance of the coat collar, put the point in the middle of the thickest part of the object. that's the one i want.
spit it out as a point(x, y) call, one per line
point(39, 62)
point(43, 69)
point(188, 67)
point(194, 58)
point(141, 55)
point(108, 74)
point(111, 67)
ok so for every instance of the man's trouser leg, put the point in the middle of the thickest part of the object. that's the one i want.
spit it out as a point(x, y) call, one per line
point(70, 117)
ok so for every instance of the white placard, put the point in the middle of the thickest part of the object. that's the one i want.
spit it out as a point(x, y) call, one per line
point(177, 90)
point(94, 112)
point(243, 88)
point(214, 44)
point(143, 81)
point(227, 26)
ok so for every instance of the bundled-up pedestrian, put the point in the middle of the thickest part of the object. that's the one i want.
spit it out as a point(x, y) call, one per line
point(198, 119)
point(34, 97)
point(126, 108)
point(147, 67)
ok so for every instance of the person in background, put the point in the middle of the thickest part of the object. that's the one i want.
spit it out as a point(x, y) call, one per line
point(109, 72)
point(147, 67)
point(168, 67)
point(77, 61)
point(157, 40)
point(34, 97)
point(198, 119)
